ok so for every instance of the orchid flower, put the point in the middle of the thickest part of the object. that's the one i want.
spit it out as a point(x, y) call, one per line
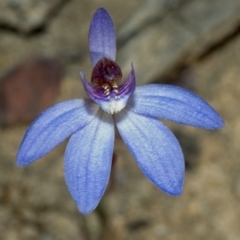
point(134, 110)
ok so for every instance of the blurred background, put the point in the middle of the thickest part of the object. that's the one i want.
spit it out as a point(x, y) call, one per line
point(191, 43)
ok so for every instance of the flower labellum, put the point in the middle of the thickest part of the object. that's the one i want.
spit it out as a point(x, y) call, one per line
point(134, 110)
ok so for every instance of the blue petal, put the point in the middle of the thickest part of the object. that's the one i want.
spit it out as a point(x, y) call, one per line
point(52, 127)
point(88, 161)
point(102, 38)
point(175, 104)
point(155, 149)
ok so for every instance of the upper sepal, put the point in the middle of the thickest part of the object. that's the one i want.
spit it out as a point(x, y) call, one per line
point(102, 37)
point(175, 104)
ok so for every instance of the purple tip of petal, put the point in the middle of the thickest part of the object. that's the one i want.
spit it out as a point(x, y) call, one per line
point(128, 87)
point(92, 92)
point(102, 37)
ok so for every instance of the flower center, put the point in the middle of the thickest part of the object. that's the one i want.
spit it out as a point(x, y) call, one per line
point(107, 75)
point(105, 88)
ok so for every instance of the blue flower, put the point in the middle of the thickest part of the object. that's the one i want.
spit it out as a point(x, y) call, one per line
point(134, 110)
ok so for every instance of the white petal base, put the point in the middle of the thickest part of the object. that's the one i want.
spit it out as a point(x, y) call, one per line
point(114, 106)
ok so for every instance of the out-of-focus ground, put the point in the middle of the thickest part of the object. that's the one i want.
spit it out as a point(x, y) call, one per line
point(191, 43)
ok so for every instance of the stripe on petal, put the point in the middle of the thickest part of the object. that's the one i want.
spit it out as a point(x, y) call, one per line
point(102, 38)
point(88, 161)
point(155, 149)
point(175, 104)
point(52, 127)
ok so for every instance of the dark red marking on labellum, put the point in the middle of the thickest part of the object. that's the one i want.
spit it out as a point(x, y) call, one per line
point(106, 75)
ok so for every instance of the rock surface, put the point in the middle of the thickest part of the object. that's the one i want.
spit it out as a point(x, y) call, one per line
point(26, 15)
point(29, 89)
point(169, 35)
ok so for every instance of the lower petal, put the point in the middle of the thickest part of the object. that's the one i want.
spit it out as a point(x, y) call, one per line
point(155, 149)
point(88, 161)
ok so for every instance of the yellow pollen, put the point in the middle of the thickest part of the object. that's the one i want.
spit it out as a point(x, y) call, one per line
point(114, 85)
